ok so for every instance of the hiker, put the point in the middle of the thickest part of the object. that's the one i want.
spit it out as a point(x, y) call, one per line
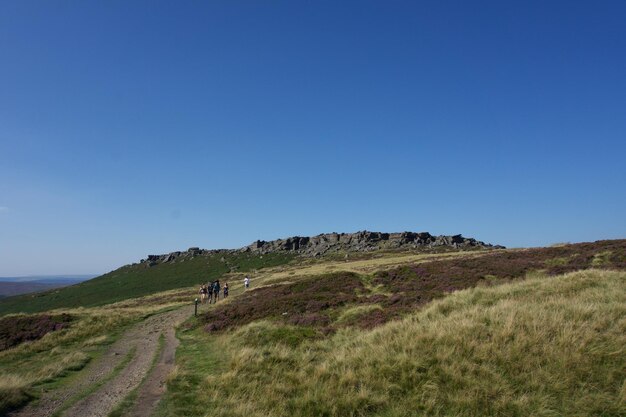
point(246, 282)
point(210, 291)
point(225, 289)
point(216, 291)
point(202, 294)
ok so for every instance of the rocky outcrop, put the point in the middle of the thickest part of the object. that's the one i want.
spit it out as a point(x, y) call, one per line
point(152, 260)
point(328, 243)
point(364, 241)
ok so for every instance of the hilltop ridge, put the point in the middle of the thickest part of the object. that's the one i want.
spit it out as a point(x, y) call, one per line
point(327, 243)
point(188, 268)
point(364, 241)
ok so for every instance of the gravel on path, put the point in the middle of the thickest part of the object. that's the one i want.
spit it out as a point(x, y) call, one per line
point(144, 336)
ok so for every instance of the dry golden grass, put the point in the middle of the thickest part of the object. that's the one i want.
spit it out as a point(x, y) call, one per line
point(542, 347)
point(286, 274)
point(352, 312)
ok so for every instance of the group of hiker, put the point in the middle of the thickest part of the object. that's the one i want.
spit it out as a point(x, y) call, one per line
point(211, 291)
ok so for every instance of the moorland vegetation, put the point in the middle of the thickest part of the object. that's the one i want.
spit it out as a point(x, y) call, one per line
point(543, 346)
point(391, 333)
point(520, 332)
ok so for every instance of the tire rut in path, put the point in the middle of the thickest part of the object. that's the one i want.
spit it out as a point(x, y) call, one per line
point(154, 386)
point(144, 336)
point(104, 400)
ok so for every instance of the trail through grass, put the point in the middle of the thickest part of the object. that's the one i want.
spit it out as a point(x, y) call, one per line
point(51, 361)
point(92, 388)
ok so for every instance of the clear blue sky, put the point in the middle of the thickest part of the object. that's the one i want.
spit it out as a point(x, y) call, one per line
point(129, 128)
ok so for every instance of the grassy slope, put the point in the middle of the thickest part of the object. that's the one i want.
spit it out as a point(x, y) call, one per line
point(316, 300)
point(25, 371)
point(138, 280)
point(545, 346)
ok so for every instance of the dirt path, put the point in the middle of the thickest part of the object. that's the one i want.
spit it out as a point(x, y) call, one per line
point(154, 387)
point(143, 338)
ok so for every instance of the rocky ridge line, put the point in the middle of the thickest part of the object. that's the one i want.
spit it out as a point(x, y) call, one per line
point(327, 243)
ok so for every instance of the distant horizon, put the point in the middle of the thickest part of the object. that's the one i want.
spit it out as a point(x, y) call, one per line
point(26, 278)
point(92, 275)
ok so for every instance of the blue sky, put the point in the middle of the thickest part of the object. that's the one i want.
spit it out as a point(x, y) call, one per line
point(129, 128)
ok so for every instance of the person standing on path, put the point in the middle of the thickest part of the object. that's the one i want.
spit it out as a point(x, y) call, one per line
point(203, 294)
point(225, 289)
point(216, 290)
point(246, 282)
point(209, 287)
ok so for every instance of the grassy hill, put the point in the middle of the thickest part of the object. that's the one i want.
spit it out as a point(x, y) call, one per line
point(542, 347)
point(138, 280)
point(505, 332)
point(498, 333)
point(8, 289)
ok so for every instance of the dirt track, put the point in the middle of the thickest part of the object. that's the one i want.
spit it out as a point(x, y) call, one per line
point(143, 339)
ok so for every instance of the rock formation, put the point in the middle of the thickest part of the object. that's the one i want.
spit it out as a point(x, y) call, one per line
point(328, 243)
point(364, 241)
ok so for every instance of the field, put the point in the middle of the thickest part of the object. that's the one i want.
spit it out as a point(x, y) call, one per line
point(504, 332)
point(497, 333)
point(542, 346)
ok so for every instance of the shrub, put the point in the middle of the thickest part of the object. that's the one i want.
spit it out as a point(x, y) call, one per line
point(18, 329)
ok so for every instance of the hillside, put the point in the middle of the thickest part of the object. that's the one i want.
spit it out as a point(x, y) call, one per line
point(10, 286)
point(394, 333)
point(187, 268)
point(541, 347)
point(392, 291)
point(140, 279)
point(15, 288)
point(488, 333)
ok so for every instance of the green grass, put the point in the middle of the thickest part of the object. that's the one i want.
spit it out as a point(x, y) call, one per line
point(350, 314)
point(264, 333)
point(546, 346)
point(198, 357)
point(602, 258)
point(138, 280)
point(561, 261)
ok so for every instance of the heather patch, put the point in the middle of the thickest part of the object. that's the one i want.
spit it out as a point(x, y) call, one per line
point(19, 329)
point(415, 285)
point(306, 303)
point(317, 301)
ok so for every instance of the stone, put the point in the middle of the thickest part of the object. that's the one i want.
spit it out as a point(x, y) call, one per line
point(328, 243)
